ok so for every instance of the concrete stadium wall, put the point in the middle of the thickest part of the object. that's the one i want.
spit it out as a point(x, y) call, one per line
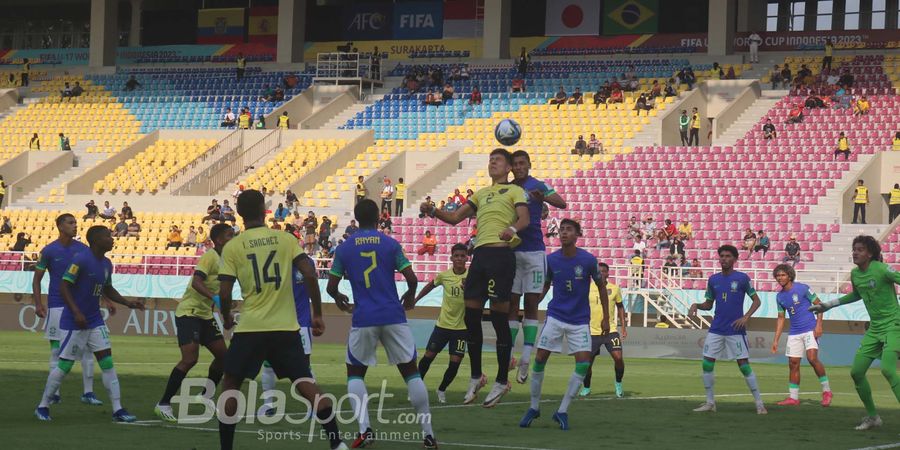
point(328, 111)
point(669, 131)
point(440, 168)
point(298, 108)
point(8, 99)
point(51, 164)
point(747, 93)
point(417, 170)
point(15, 168)
point(84, 185)
point(879, 176)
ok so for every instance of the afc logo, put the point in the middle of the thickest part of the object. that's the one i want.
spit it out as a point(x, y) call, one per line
point(416, 21)
point(367, 22)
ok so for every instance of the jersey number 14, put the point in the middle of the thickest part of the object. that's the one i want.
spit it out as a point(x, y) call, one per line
point(271, 273)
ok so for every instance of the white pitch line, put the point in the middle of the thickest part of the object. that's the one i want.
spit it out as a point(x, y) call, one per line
point(880, 447)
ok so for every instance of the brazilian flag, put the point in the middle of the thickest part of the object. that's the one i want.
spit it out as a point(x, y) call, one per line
point(630, 16)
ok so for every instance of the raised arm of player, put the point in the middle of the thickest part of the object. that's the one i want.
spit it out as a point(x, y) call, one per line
point(307, 268)
point(779, 327)
point(425, 291)
point(39, 309)
point(451, 217)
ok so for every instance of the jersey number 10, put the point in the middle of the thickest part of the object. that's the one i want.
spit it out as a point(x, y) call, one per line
point(268, 275)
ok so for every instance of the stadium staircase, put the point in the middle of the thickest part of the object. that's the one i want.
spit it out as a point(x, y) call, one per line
point(469, 167)
point(54, 190)
point(748, 120)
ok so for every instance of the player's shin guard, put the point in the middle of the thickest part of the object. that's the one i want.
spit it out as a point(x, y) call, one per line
point(418, 396)
point(87, 371)
point(474, 339)
point(54, 357)
point(750, 378)
point(111, 382)
point(359, 397)
point(504, 345)
point(424, 365)
point(329, 423)
point(581, 368)
point(537, 382)
point(529, 334)
point(889, 370)
point(54, 380)
point(449, 375)
point(709, 380)
point(858, 373)
point(175, 379)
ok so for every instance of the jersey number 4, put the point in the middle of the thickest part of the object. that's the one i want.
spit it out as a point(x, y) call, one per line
point(268, 275)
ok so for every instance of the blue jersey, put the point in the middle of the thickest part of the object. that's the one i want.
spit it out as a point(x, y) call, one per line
point(368, 259)
point(87, 276)
point(571, 278)
point(728, 292)
point(301, 301)
point(56, 258)
point(532, 237)
point(796, 302)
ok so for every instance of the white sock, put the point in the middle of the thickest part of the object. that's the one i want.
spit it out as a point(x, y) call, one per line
point(111, 383)
point(574, 384)
point(54, 380)
point(537, 381)
point(825, 386)
point(268, 382)
point(754, 387)
point(527, 349)
point(418, 396)
point(709, 380)
point(54, 360)
point(794, 392)
point(359, 401)
point(87, 371)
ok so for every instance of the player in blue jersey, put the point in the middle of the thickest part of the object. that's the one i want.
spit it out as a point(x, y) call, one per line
point(803, 337)
point(531, 259)
point(570, 270)
point(56, 258)
point(368, 260)
point(88, 277)
point(727, 337)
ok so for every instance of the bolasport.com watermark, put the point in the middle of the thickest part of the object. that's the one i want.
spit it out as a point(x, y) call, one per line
point(346, 409)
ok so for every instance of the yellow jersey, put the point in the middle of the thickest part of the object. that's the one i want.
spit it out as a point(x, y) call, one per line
point(262, 261)
point(2, 188)
point(615, 298)
point(843, 144)
point(193, 303)
point(895, 197)
point(495, 211)
point(453, 307)
point(399, 191)
point(661, 325)
point(686, 229)
point(695, 121)
point(283, 122)
point(862, 195)
point(26, 67)
point(896, 144)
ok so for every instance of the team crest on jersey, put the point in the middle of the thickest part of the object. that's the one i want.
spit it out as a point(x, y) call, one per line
point(504, 190)
point(795, 299)
point(871, 284)
point(579, 272)
point(734, 286)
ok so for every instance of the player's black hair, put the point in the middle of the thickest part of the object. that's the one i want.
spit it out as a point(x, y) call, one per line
point(218, 230)
point(62, 218)
point(94, 233)
point(603, 265)
point(502, 151)
point(871, 245)
point(521, 154)
point(728, 248)
point(251, 204)
point(366, 213)
point(573, 223)
point(786, 268)
point(459, 248)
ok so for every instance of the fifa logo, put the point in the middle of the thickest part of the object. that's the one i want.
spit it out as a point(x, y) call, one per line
point(416, 21)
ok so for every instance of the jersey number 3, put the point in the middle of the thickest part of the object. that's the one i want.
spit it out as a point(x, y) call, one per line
point(268, 275)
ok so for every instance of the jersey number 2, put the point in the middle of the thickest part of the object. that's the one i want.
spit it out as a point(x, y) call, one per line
point(268, 275)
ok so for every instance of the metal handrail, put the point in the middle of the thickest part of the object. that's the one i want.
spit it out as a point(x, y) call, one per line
point(229, 144)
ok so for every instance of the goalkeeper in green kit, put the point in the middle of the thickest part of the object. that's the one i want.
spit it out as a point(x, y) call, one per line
point(873, 282)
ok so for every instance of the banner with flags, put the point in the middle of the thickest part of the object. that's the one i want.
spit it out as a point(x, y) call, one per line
point(461, 18)
point(572, 18)
point(263, 25)
point(630, 16)
point(220, 26)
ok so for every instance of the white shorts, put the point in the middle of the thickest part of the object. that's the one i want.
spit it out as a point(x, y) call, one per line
point(76, 342)
point(397, 340)
point(718, 346)
point(798, 344)
point(306, 338)
point(531, 268)
point(578, 337)
point(51, 328)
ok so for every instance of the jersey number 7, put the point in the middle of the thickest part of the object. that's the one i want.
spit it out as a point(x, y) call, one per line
point(275, 276)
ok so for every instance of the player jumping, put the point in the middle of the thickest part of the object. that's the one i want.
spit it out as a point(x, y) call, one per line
point(727, 337)
point(262, 261)
point(56, 258)
point(873, 282)
point(612, 340)
point(803, 337)
point(531, 259)
point(195, 323)
point(87, 279)
point(450, 327)
point(501, 211)
point(368, 259)
point(571, 271)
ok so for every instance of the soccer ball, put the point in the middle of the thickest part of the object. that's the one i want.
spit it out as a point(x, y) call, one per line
point(508, 132)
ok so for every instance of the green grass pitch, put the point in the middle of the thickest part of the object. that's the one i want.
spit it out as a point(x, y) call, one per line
point(656, 413)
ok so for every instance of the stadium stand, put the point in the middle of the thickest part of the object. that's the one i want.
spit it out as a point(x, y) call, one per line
point(149, 170)
point(292, 163)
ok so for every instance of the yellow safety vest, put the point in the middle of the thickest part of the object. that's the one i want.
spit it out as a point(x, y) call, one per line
point(862, 194)
point(244, 121)
point(2, 188)
point(241, 63)
point(695, 121)
point(843, 144)
point(400, 191)
point(26, 67)
point(828, 50)
point(895, 196)
point(360, 189)
point(283, 121)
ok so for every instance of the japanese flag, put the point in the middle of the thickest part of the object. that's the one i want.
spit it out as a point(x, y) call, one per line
point(572, 18)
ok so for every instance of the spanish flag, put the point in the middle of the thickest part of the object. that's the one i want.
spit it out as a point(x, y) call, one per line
point(263, 25)
point(220, 26)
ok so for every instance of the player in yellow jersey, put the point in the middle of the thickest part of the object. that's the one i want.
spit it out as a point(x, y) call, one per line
point(501, 211)
point(262, 261)
point(612, 340)
point(195, 322)
point(451, 326)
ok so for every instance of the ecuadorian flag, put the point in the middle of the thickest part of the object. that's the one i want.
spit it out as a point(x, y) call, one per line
point(220, 26)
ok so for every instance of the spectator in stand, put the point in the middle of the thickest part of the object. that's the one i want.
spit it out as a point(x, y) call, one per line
point(829, 50)
point(896, 144)
point(35, 142)
point(862, 106)
point(352, 228)
point(412, 85)
point(174, 240)
point(753, 41)
point(429, 244)
point(213, 211)
point(552, 227)
point(134, 228)
point(432, 100)
point(238, 191)
point(429, 202)
point(442, 206)
point(260, 123)
point(241, 66)
point(451, 205)
point(669, 90)
point(447, 93)
point(229, 121)
point(670, 229)
point(290, 200)
point(23, 240)
point(577, 97)
point(795, 115)
point(769, 131)
point(276, 225)
point(677, 247)
point(662, 240)
point(640, 245)
point(361, 190)
point(762, 244)
point(119, 229)
point(671, 267)
point(399, 196)
point(749, 241)
point(77, 90)
point(324, 231)
point(634, 227)
point(595, 147)
point(202, 237)
point(6, 227)
point(655, 90)
point(385, 224)
point(580, 146)
point(792, 251)
point(633, 85)
point(843, 147)
point(696, 271)
point(717, 72)
point(648, 227)
point(227, 211)
point(775, 76)
point(92, 211)
point(280, 214)
point(518, 84)
point(279, 94)
point(469, 194)
point(729, 74)
point(126, 212)
point(814, 101)
point(684, 123)
point(846, 78)
point(522, 62)
point(642, 104)
point(842, 99)
point(387, 195)
point(475, 96)
point(455, 74)
point(694, 137)
point(108, 212)
point(636, 269)
point(560, 98)
point(245, 119)
point(602, 95)
point(686, 231)
point(64, 143)
point(191, 239)
point(66, 90)
point(132, 84)
point(786, 77)
point(464, 73)
point(310, 225)
point(298, 221)
point(616, 96)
